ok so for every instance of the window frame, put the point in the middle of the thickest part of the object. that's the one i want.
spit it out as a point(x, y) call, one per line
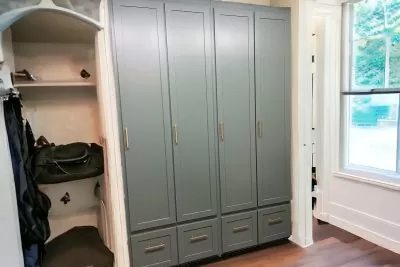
point(348, 76)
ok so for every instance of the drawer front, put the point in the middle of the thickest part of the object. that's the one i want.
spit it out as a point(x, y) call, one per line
point(274, 223)
point(157, 248)
point(198, 240)
point(239, 231)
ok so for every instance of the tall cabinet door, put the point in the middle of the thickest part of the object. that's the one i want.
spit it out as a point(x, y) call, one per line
point(234, 50)
point(192, 108)
point(143, 82)
point(273, 106)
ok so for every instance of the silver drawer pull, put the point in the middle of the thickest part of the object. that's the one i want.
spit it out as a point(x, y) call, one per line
point(240, 228)
point(221, 131)
point(154, 248)
point(275, 221)
point(198, 238)
point(126, 134)
point(176, 134)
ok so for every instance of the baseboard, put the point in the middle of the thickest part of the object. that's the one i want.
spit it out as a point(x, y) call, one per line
point(356, 223)
point(301, 242)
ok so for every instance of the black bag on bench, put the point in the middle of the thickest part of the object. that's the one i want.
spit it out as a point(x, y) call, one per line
point(64, 163)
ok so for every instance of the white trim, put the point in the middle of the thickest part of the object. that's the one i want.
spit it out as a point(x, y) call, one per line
point(109, 112)
point(328, 99)
point(368, 180)
point(363, 225)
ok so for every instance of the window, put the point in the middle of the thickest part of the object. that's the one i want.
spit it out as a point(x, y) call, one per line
point(371, 102)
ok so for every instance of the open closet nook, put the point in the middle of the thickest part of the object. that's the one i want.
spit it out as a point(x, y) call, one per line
point(49, 95)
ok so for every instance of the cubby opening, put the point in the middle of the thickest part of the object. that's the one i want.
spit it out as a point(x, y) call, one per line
point(61, 103)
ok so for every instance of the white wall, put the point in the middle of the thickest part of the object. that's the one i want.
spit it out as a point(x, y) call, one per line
point(367, 210)
point(10, 241)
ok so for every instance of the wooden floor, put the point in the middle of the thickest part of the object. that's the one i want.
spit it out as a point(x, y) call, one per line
point(332, 247)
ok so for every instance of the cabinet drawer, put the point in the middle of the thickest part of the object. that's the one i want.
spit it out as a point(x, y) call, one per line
point(157, 248)
point(239, 231)
point(198, 240)
point(274, 223)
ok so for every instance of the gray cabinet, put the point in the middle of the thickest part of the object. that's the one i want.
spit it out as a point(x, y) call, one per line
point(239, 231)
point(198, 240)
point(205, 104)
point(143, 82)
point(234, 52)
point(156, 248)
point(272, 63)
point(192, 108)
point(274, 223)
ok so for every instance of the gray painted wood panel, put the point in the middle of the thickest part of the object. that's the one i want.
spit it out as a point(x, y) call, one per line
point(234, 48)
point(272, 83)
point(143, 82)
point(157, 248)
point(191, 89)
point(198, 240)
point(239, 231)
point(274, 223)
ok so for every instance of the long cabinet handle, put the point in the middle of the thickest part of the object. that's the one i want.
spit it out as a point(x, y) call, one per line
point(176, 137)
point(221, 131)
point(154, 248)
point(126, 135)
point(198, 238)
point(240, 228)
point(259, 126)
point(275, 221)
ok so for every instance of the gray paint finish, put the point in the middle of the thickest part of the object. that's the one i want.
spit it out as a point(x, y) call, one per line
point(157, 248)
point(234, 48)
point(190, 73)
point(198, 240)
point(274, 223)
point(141, 57)
point(239, 231)
point(272, 83)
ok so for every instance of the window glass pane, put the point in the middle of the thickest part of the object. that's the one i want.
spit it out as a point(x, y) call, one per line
point(393, 13)
point(373, 131)
point(369, 64)
point(394, 61)
point(368, 19)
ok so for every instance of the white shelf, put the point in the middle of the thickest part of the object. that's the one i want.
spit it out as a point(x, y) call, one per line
point(20, 84)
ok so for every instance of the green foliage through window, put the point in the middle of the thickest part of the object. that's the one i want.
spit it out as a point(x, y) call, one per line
point(376, 44)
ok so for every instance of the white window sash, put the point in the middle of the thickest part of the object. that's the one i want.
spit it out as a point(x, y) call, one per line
point(348, 76)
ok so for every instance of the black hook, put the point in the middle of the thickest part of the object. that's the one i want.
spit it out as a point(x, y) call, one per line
point(66, 198)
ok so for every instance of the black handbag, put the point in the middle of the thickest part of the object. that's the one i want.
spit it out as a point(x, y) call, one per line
point(64, 163)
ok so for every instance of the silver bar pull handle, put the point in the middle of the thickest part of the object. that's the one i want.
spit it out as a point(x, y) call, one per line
point(198, 238)
point(240, 228)
point(259, 126)
point(126, 135)
point(154, 248)
point(221, 131)
point(176, 137)
point(275, 221)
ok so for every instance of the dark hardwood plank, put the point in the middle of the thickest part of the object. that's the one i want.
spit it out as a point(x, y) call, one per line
point(333, 247)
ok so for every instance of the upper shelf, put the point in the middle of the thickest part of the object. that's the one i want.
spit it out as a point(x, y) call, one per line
point(52, 21)
point(50, 27)
point(20, 84)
